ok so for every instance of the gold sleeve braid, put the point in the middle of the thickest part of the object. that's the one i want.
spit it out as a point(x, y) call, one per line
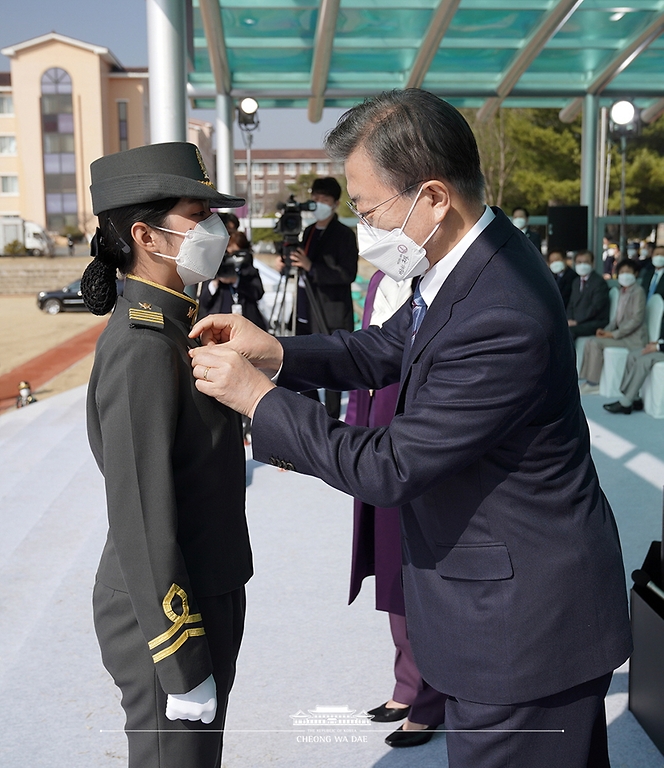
point(179, 620)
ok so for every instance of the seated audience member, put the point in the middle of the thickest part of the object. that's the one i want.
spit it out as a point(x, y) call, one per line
point(588, 306)
point(565, 277)
point(237, 285)
point(645, 257)
point(651, 274)
point(637, 369)
point(610, 257)
point(627, 329)
point(520, 218)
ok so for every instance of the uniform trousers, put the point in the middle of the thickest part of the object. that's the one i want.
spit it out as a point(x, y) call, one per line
point(637, 368)
point(503, 736)
point(593, 356)
point(155, 741)
point(427, 705)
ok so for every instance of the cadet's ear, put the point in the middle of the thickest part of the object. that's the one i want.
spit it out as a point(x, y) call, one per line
point(144, 236)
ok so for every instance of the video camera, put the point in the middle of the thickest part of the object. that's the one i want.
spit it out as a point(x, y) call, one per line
point(289, 224)
point(233, 263)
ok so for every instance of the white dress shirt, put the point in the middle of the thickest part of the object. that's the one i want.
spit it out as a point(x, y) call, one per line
point(436, 275)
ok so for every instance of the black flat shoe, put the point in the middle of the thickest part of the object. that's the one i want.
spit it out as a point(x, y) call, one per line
point(637, 405)
point(384, 714)
point(401, 738)
point(618, 407)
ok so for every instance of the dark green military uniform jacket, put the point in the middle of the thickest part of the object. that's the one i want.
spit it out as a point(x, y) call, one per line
point(174, 467)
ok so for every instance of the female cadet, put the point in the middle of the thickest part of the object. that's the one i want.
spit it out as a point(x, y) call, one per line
point(169, 596)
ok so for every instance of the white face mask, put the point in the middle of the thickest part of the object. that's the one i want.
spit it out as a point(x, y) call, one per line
point(24, 392)
point(519, 222)
point(557, 267)
point(626, 279)
point(323, 211)
point(658, 262)
point(201, 251)
point(643, 253)
point(582, 269)
point(394, 253)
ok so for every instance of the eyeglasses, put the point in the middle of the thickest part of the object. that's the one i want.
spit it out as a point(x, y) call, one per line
point(362, 216)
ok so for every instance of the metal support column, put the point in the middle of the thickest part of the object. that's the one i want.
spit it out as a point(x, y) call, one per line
point(225, 155)
point(589, 163)
point(168, 80)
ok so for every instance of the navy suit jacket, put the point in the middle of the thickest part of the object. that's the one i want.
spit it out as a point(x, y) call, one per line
point(512, 570)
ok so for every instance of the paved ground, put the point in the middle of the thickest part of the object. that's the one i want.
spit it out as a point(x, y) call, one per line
point(303, 648)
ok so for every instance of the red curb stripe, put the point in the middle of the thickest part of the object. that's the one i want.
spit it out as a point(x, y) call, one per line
point(46, 366)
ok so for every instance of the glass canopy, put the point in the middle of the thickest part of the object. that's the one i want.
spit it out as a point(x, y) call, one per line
point(474, 53)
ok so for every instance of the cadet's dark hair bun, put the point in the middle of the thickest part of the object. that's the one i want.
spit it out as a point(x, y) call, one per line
point(99, 288)
point(98, 285)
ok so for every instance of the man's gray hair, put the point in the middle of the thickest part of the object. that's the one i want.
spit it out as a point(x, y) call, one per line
point(411, 136)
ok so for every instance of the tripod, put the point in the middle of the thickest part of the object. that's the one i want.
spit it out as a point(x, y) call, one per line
point(278, 325)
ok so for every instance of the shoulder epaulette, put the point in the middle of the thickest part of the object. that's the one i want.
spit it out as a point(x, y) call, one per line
point(144, 315)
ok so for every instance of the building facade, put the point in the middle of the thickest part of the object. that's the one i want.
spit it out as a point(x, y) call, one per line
point(275, 171)
point(66, 102)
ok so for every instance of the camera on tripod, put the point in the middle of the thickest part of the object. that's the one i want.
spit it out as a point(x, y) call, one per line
point(289, 226)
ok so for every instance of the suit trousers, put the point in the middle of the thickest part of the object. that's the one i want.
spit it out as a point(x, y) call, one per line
point(153, 740)
point(567, 729)
point(427, 705)
point(593, 357)
point(637, 368)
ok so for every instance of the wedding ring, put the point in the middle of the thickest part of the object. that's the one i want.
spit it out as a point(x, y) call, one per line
point(205, 373)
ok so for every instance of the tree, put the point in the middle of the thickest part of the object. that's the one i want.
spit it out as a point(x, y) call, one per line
point(529, 158)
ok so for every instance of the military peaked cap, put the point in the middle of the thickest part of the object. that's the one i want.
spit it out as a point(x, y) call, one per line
point(154, 172)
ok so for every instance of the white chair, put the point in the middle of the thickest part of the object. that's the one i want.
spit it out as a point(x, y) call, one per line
point(614, 294)
point(652, 390)
point(615, 358)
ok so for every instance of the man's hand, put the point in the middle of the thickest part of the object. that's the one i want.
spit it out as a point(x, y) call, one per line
point(571, 323)
point(653, 346)
point(226, 375)
point(602, 334)
point(260, 349)
point(200, 703)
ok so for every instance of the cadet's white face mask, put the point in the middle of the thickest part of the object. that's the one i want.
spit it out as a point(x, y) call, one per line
point(394, 253)
point(202, 250)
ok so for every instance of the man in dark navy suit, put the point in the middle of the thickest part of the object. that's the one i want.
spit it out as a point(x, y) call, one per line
point(512, 571)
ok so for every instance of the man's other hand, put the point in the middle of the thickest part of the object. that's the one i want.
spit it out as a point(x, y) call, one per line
point(226, 375)
point(241, 335)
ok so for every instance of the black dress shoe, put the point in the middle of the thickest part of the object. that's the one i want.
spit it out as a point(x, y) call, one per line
point(637, 405)
point(401, 738)
point(618, 407)
point(385, 714)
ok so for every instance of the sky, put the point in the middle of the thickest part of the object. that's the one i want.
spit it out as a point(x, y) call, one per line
point(120, 26)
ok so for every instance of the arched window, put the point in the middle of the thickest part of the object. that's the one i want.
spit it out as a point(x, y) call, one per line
point(59, 154)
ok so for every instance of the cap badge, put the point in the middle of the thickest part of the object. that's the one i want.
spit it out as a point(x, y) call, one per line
point(206, 178)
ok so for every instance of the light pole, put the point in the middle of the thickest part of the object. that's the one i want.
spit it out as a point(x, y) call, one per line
point(624, 122)
point(247, 118)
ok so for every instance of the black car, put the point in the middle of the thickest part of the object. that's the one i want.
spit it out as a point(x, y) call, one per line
point(68, 298)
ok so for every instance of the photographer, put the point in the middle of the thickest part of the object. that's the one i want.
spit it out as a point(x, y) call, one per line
point(237, 286)
point(328, 256)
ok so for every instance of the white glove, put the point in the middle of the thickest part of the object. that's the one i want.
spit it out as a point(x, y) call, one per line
point(200, 703)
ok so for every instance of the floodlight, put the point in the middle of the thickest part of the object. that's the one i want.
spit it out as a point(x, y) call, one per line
point(249, 106)
point(622, 112)
point(624, 119)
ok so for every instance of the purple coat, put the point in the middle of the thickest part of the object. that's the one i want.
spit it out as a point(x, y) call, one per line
point(376, 530)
